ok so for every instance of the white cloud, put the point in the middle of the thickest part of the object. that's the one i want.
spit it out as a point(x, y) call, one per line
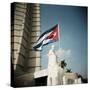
point(63, 54)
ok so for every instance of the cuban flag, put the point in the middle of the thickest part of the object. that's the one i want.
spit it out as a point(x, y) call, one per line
point(50, 36)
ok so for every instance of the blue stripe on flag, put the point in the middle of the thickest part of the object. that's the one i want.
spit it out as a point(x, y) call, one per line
point(47, 31)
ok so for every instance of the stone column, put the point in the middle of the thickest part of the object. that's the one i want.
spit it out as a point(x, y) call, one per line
point(34, 63)
point(25, 30)
point(64, 80)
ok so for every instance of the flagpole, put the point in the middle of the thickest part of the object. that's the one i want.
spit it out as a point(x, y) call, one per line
point(58, 36)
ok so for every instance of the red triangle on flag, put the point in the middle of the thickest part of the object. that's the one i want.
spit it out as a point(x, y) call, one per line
point(54, 35)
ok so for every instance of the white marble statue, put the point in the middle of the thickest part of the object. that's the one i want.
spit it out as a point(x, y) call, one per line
point(52, 68)
point(55, 72)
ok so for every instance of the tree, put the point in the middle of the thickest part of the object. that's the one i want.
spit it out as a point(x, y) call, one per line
point(63, 64)
point(69, 70)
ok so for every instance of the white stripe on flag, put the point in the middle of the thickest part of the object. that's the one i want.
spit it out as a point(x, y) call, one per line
point(40, 48)
point(41, 39)
point(46, 41)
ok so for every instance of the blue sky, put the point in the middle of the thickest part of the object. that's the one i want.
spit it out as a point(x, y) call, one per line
point(72, 22)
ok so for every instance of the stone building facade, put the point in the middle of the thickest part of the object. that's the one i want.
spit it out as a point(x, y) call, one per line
point(25, 30)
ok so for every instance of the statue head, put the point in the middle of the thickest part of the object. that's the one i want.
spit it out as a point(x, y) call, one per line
point(51, 51)
point(52, 47)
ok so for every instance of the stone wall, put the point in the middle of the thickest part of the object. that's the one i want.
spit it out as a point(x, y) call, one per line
point(25, 30)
